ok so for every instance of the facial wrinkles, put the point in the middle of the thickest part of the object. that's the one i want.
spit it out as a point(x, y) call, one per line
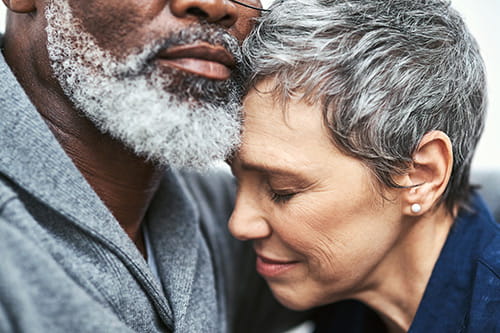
point(322, 252)
point(316, 210)
point(166, 115)
point(327, 252)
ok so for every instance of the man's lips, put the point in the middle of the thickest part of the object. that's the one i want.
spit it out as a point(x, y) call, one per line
point(268, 267)
point(210, 61)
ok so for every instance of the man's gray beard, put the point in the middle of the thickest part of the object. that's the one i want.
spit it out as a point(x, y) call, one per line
point(188, 124)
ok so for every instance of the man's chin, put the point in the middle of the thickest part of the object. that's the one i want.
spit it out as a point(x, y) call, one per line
point(166, 131)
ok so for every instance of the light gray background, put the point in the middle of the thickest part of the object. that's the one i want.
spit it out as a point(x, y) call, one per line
point(481, 17)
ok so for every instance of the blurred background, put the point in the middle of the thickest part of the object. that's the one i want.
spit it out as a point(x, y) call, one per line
point(481, 17)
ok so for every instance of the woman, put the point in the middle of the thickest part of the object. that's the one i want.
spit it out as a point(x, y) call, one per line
point(361, 121)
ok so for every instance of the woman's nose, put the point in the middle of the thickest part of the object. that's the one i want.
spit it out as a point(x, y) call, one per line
point(247, 221)
point(223, 12)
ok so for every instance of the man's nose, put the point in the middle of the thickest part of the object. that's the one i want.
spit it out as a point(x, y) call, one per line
point(223, 12)
point(248, 222)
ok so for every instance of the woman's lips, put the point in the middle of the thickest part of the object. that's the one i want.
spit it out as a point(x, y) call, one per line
point(272, 268)
point(203, 59)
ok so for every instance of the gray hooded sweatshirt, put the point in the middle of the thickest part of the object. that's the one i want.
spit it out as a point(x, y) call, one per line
point(66, 265)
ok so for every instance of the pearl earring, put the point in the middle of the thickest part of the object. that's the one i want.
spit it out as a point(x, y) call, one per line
point(416, 208)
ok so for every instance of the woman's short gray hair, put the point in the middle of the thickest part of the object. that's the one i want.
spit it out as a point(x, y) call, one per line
point(385, 71)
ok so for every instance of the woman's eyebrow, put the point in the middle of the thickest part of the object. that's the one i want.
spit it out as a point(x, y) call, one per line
point(272, 170)
point(265, 167)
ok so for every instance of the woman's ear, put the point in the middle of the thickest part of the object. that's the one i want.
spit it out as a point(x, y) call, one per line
point(428, 177)
point(20, 6)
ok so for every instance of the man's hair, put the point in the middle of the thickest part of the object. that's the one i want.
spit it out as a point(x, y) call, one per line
point(385, 72)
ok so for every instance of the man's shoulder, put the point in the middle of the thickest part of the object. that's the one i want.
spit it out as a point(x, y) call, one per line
point(213, 192)
point(214, 180)
point(36, 294)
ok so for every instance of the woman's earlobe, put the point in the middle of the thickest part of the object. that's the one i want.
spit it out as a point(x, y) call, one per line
point(21, 6)
point(415, 200)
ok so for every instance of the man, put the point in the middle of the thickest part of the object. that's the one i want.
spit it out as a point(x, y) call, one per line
point(100, 101)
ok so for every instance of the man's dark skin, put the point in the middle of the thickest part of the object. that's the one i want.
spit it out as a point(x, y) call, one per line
point(125, 182)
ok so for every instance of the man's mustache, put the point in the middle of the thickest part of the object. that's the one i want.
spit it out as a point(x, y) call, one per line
point(140, 62)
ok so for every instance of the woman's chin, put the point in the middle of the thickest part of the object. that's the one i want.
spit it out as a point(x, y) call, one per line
point(295, 300)
point(295, 305)
point(304, 297)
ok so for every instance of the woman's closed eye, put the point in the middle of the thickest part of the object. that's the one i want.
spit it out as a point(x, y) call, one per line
point(283, 189)
point(280, 198)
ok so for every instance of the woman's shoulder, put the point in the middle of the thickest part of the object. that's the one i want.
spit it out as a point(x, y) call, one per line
point(476, 229)
point(479, 235)
point(484, 315)
point(484, 231)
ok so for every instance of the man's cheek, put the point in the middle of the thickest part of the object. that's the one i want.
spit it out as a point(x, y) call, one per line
point(114, 28)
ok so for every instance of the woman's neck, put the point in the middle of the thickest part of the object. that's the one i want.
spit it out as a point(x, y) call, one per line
point(398, 283)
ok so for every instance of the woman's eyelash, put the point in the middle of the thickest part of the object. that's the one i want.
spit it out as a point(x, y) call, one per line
point(281, 198)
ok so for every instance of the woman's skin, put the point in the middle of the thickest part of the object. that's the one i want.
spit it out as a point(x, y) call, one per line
point(322, 227)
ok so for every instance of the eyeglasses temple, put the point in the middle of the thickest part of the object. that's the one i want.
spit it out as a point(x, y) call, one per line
point(250, 6)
